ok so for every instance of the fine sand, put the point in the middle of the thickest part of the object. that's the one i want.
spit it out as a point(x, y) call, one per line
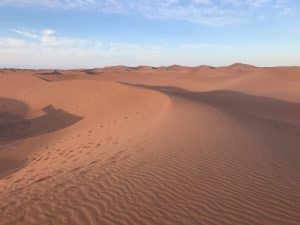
point(144, 145)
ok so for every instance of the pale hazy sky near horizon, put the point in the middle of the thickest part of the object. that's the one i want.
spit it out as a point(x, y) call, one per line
point(96, 33)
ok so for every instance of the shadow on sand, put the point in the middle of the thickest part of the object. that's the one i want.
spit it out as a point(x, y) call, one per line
point(235, 103)
point(54, 72)
point(14, 125)
point(276, 123)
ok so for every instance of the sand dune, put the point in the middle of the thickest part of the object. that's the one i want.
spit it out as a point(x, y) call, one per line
point(145, 145)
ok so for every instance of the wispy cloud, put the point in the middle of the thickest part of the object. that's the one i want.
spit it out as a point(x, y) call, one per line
point(24, 33)
point(59, 51)
point(209, 12)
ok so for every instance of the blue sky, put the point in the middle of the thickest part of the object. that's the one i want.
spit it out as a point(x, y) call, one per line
point(95, 33)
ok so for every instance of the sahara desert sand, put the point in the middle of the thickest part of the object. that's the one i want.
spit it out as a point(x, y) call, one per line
point(150, 145)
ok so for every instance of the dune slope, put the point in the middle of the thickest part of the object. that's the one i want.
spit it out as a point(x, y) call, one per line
point(219, 150)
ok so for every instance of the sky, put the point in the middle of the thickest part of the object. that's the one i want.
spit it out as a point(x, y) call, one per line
point(97, 33)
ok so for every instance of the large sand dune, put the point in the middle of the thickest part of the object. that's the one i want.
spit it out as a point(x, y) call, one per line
point(144, 145)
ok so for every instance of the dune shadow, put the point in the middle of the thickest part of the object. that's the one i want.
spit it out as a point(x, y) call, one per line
point(91, 72)
point(238, 104)
point(54, 72)
point(14, 125)
point(276, 123)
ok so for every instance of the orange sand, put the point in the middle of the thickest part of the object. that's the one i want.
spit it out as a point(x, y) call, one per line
point(169, 145)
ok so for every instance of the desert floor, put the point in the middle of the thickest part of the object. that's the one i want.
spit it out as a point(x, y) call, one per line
point(143, 145)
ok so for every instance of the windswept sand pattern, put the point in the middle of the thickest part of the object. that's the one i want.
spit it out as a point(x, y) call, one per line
point(148, 154)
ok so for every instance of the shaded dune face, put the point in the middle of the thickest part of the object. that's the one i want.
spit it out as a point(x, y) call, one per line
point(12, 113)
point(8, 105)
point(264, 114)
point(54, 72)
point(14, 125)
point(238, 103)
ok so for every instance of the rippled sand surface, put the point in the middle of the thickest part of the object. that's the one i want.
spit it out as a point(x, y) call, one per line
point(172, 145)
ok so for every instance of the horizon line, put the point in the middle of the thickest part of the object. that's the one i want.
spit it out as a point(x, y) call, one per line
point(142, 65)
